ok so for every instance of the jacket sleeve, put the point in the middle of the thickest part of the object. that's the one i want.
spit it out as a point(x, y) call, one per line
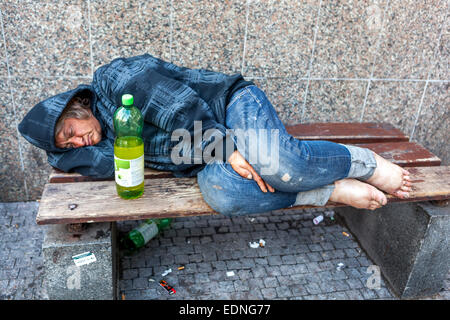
point(175, 107)
point(165, 102)
point(94, 161)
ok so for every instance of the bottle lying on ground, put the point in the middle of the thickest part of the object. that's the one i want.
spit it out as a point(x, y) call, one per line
point(137, 238)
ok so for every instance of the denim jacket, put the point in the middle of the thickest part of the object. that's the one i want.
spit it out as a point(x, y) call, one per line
point(169, 97)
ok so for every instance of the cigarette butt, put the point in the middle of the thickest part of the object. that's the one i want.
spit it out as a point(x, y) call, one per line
point(318, 219)
point(346, 234)
point(181, 268)
point(123, 296)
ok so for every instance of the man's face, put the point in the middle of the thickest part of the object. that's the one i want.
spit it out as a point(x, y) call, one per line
point(78, 133)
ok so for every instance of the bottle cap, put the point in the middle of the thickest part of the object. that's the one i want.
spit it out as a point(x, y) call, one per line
point(127, 100)
point(164, 223)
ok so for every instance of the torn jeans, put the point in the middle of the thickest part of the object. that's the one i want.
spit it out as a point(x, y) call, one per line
point(302, 172)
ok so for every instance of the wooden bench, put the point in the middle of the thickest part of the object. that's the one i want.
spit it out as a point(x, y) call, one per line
point(70, 198)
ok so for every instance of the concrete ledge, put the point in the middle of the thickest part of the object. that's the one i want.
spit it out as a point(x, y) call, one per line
point(89, 280)
point(408, 241)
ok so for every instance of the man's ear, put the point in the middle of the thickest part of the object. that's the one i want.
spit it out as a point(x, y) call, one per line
point(90, 113)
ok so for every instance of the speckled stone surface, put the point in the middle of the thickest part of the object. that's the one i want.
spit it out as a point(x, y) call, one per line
point(129, 28)
point(280, 37)
point(441, 69)
point(48, 38)
point(394, 102)
point(334, 101)
point(347, 38)
point(12, 185)
point(410, 36)
point(3, 65)
point(53, 45)
point(209, 34)
point(433, 126)
point(28, 92)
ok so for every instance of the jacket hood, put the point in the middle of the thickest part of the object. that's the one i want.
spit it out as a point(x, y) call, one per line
point(38, 126)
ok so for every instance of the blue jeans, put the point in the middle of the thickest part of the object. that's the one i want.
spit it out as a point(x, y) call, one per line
point(301, 172)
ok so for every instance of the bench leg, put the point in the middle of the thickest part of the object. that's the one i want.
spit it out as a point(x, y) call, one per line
point(90, 276)
point(407, 241)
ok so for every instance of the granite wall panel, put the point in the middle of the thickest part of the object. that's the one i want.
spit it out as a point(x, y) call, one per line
point(279, 37)
point(12, 182)
point(409, 39)
point(347, 38)
point(395, 102)
point(209, 34)
point(129, 28)
point(316, 60)
point(47, 38)
point(433, 125)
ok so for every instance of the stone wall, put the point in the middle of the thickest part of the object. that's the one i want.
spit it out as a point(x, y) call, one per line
point(317, 60)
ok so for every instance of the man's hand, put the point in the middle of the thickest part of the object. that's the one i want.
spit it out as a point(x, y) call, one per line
point(245, 170)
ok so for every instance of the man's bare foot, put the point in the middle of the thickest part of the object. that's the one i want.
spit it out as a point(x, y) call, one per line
point(358, 194)
point(390, 178)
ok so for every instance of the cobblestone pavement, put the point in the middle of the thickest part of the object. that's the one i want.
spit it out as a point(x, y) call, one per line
point(299, 261)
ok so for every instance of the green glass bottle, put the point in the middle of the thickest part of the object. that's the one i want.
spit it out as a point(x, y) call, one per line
point(128, 149)
point(137, 238)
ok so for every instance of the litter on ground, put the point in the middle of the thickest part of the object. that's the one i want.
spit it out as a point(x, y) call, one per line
point(165, 273)
point(255, 245)
point(318, 219)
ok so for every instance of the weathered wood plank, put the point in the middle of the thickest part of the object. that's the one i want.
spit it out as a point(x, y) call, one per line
point(58, 176)
point(404, 154)
point(367, 132)
point(97, 201)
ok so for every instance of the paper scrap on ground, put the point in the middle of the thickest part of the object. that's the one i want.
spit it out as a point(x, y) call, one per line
point(230, 273)
point(165, 273)
point(255, 245)
point(84, 258)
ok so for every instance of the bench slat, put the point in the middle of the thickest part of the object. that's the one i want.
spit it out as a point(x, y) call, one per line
point(365, 132)
point(58, 176)
point(97, 201)
point(405, 154)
